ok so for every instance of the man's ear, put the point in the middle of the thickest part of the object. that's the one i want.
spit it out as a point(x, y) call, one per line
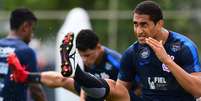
point(160, 23)
point(98, 46)
point(24, 27)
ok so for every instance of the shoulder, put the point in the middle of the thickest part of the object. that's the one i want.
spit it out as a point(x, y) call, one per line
point(111, 52)
point(132, 48)
point(130, 53)
point(18, 45)
point(23, 49)
point(186, 44)
point(181, 38)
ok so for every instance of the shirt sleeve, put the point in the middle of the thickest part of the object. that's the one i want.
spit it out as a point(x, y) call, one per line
point(127, 69)
point(28, 59)
point(190, 58)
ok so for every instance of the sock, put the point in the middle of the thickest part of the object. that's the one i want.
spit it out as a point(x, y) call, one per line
point(93, 86)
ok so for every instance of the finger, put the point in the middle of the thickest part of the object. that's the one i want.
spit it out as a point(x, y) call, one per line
point(158, 43)
point(154, 41)
point(161, 42)
point(151, 42)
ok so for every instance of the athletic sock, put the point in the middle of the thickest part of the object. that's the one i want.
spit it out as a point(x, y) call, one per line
point(93, 86)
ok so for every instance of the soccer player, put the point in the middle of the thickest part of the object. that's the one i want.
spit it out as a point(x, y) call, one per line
point(146, 57)
point(99, 60)
point(22, 22)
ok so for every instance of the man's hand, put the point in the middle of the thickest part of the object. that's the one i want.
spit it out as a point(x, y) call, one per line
point(18, 72)
point(159, 50)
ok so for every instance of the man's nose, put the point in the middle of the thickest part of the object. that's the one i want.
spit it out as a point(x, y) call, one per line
point(139, 30)
point(84, 59)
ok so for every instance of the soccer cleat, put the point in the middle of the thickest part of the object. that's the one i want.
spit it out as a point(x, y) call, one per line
point(70, 58)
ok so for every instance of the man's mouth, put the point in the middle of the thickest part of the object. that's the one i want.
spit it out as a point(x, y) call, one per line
point(141, 38)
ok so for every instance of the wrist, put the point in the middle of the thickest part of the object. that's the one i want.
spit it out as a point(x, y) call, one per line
point(168, 60)
point(20, 76)
point(34, 77)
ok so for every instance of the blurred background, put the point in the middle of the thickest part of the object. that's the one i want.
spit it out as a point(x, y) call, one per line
point(110, 19)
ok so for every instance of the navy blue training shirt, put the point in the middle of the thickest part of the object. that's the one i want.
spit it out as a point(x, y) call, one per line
point(9, 90)
point(108, 67)
point(157, 81)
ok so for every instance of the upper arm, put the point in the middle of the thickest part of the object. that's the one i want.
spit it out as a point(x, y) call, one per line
point(27, 58)
point(127, 68)
point(190, 58)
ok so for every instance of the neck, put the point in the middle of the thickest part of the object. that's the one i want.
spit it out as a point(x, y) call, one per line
point(163, 35)
point(13, 34)
point(101, 52)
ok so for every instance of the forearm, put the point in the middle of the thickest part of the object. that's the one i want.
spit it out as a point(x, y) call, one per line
point(189, 82)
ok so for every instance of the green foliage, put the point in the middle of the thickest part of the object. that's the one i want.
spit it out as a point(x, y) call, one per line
point(47, 29)
point(188, 26)
point(100, 27)
point(125, 34)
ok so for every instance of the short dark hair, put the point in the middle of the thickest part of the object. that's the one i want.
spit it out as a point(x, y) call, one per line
point(150, 8)
point(86, 39)
point(19, 16)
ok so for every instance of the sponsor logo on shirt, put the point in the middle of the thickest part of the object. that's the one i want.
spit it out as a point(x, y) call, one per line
point(5, 50)
point(158, 83)
point(102, 75)
point(3, 68)
point(1, 98)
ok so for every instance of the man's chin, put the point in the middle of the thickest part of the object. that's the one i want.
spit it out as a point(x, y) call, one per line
point(88, 65)
point(27, 41)
point(141, 42)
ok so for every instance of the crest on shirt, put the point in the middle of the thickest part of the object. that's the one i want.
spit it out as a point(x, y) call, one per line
point(145, 52)
point(108, 66)
point(102, 75)
point(176, 46)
